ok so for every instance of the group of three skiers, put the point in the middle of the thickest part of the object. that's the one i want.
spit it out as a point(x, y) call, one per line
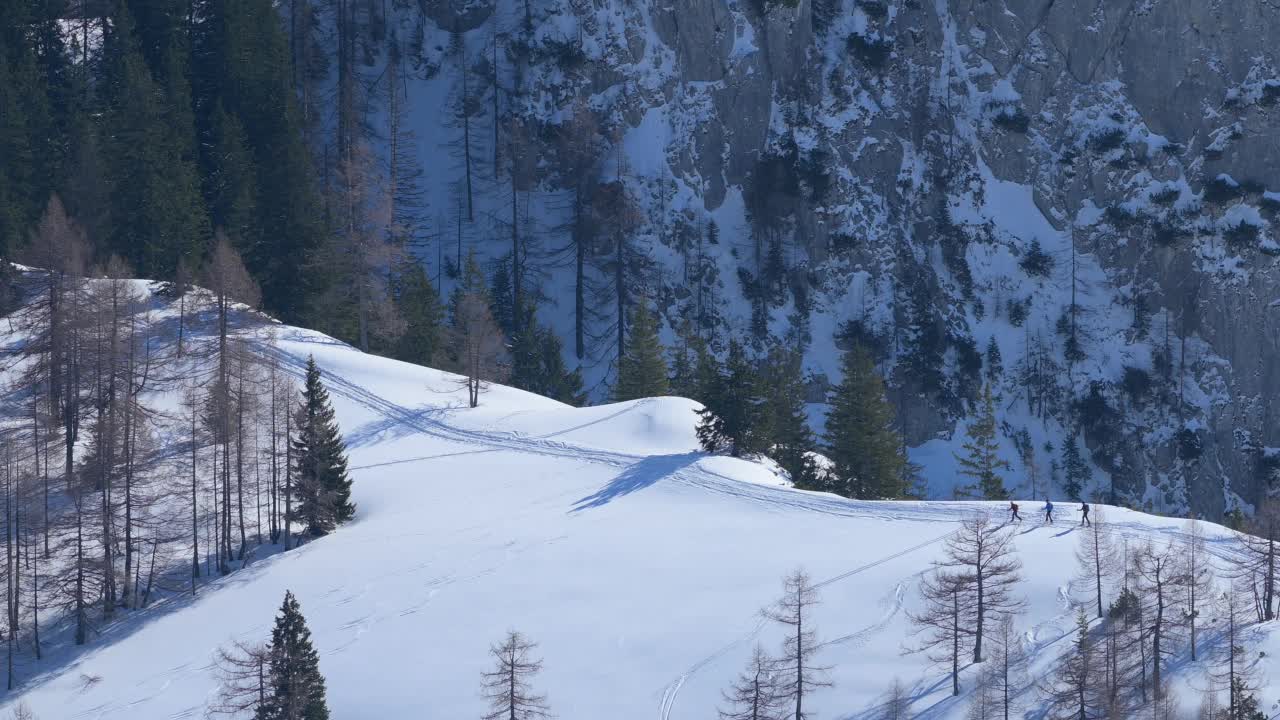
point(1048, 512)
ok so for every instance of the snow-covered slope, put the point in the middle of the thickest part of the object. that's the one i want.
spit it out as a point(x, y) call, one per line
point(638, 564)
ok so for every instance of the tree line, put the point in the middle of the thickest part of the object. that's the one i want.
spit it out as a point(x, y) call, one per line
point(755, 404)
point(1138, 607)
point(113, 499)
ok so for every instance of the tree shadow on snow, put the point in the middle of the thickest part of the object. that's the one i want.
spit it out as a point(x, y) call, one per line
point(915, 693)
point(171, 593)
point(637, 476)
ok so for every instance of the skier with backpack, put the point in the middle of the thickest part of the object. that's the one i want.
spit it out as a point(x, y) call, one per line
point(1013, 512)
point(1084, 518)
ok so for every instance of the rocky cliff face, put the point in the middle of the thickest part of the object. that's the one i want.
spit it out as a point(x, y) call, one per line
point(1090, 187)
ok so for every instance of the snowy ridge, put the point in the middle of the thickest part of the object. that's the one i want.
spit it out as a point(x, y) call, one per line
point(636, 562)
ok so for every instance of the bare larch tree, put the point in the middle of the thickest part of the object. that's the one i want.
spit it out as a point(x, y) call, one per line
point(1260, 546)
point(478, 344)
point(509, 685)
point(753, 695)
point(1197, 579)
point(1158, 573)
point(983, 551)
point(1096, 558)
point(1235, 668)
point(944, 626)
point(242, 671)
point(798, 675)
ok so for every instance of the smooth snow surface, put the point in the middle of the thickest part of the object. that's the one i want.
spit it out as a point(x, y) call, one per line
point(636, 563)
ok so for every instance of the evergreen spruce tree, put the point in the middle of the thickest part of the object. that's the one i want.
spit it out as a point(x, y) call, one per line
point(537, 362)
point(695, 369)
point(243, 65)
point(924, 339)
point(1074, 469)
point(1073, 690)
point(865, 452)
point(231, 183)
point(20, 99)
point(418, 304)
point(1036, 262)
point(295, 685)
point(731, 420)
point(526, 356)
point(982, 461)
point(158, 214)
point(322, 486)
point(34, 114)
point(684, 360)
point(642, 372)
point(471, 280)
point(12, 144)
point(559, 382)
point(1247, 705)
point(994, 365)
point(706, 372)
point(500, 297)
point(790, 438)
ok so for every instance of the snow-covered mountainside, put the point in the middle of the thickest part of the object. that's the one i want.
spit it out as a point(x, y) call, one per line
point(638, 564)
point(1088, 188)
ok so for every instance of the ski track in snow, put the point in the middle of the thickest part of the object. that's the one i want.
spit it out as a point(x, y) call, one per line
point(696, 476)
point(894, 601)
point(693, 474)
point(672, 690)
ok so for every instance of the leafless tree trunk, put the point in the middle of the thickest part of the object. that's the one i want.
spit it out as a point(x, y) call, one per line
point(227, 279)
point(1158, 573)
point(1197, 577)
point(1007, 675)
point(579, 145)
point(798, 676)
point(1096, 557)
point(192, 403)
point(1235, 667)
point(287, 520)
point(753, 696)
point(897, 704)
point(983, 551)
point(367, 248)
point(944, 626)
point(508, 686)
point(1259, 547)
point(477, 343)
point(243, 683)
